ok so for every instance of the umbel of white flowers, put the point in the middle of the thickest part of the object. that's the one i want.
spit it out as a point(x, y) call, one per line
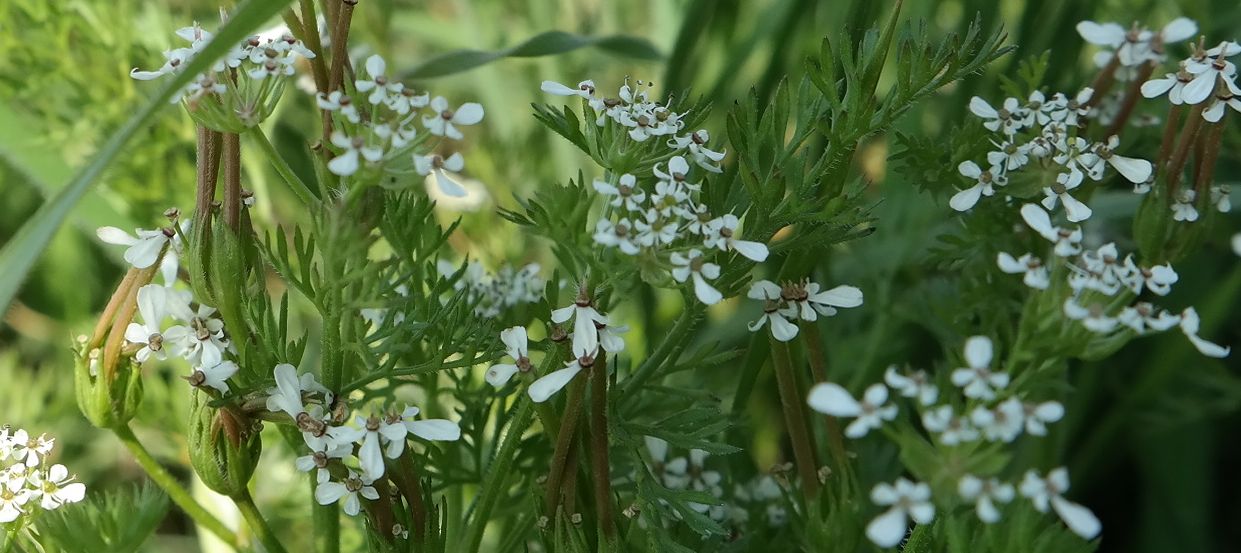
point(805, 301)
point(28, 482)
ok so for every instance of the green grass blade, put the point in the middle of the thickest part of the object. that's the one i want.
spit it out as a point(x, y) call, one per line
point(21, 253)
point(544, 44)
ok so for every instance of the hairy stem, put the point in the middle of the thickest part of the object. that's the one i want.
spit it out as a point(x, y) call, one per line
point(208, 169)
point(564, 440)
point(232, 180)
point(600, 467)
point(258, 524)
point(497, 473)
point(174, 489)
point(296, 184)
point(310, 32)
point(795, 418)
point(1169, 136)
point(818, 365)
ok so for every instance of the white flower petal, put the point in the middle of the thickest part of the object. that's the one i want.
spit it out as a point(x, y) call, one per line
point(887, 529)
point(832, 399)
point(548, 385)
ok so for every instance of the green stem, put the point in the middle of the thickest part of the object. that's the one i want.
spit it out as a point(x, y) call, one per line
point(10, 538)
point(326, 523)
point(795, 418)
point(674, 338)
point(299, 187)
point(497, 473)
point(258, 525)
point(600, 466)
point(175, 491)
point(564, 440)
point(818, 364)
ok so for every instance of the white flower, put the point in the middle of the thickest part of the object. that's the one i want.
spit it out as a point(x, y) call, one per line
point(914, 384)
point(1001, 424)
point(625, 194)
point(811, 303)
point(349, 489)
point(445, 118)
point(1143, 317)
point(952, 430)
point(1067, 242)
point(1094, 318)
point(1221, 197)
point(723, 236)
point(1074, 210)
point(584, 315)
point(1136, 170)
point(31, 450)
point(678, 169)
point(215, 376)
point(1045, 492)
point(367, 436)
point(1158, 279)
point(669, 196)
point(1210, 71)
point(585, 89)
point(1171, 83)
point(144, 249)
point(610, 336)
point(13, 496)
point(339, 101)
point(434, 163)
point(683, 266)
point(1007, 119)
point(983, 181)
point(153, 301)
point(907, 500)
point(287, 395)
point(985, 494)
point(1183, 206)
point(321, 454)
point(831, 399)
point(696, 143)
point(380, 84)
point(1039, 415)
point(656, 228)
point(518, 349)
point(1189, 325)
point(1236, 243)
point(347, 162)
point(620, 234)
point(56, 488)
point(1035, 273)
point(174, 60)
point(1010, 156)
point(201, 339)
point(546, 386)
point(1074, 108)
point(769, 292)
point(435, 430)
point(1222, 99)
point(977, 378)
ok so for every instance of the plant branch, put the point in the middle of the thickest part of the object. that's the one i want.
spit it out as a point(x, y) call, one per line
point(175, 491)
point(232, 180)
point(497, 473)
point(795, 418)
point(564, 440)
point(600, 467)
point(258, 525)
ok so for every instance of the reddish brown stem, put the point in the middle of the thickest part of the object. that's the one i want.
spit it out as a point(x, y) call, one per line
point(1103, 81)
point(1132, 93)
point(564, 441)
point(232, 180)
point(1169, 137)
point(601, 469)
point(208, 170)
point(1189, 135)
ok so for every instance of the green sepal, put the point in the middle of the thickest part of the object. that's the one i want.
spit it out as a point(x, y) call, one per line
point(224, 447)
point(106, 404)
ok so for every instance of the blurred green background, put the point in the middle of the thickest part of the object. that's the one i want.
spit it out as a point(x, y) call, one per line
point(1152, 436)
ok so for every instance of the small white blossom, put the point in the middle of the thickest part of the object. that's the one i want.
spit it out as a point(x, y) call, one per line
point(952, 429)
point(621, 234)
point(440, 166)
point(549, 384)
point(1067, 242)
point(1074, 210)
point(1190, 324)
point(1047, 492)
point(914, 384)
point(584, 315)
point(1183, 208)
point(695, 265)
point(339, 101)
point(1001, 424)
point(347, 492)
point(518, 349)
point(723, 236)
point(444, 122)
point(215, 376)
point(983, 181)
point(907, 500)
point(56, 487)
point(977, 379)
point(380, 85)
point(1032, 267)
point(832, 399)
point(144, 249)
point(1093, 317)
point(985, 494)
point(1039, 415)
point(769, 293)
point(625, 194)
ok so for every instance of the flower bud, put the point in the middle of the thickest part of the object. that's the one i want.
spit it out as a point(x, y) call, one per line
point(107, 398)
point(224, 445)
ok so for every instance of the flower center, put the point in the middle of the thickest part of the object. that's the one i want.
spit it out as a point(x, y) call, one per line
point(372, 423)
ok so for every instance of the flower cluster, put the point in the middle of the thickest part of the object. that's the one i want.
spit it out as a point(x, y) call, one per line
point(593, 334)
point(687, 473)
point(195, 334)
point(1042, 133)
point(986, 410)
point(380, 135)
point(494, 293)
point(784, 305)
point(27, 480)
point(1099, 281)
point(662, 219)
point(347, 460)
point(240, 89)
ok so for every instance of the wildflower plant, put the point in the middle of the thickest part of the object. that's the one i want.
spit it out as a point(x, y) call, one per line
point(433, 400)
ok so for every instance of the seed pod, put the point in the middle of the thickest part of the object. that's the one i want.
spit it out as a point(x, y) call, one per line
point(224, 445)
point(106, 404)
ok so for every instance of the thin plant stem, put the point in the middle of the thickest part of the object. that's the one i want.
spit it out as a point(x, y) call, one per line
point(497, 473)
point(231, 144)
point(600, 466)
point(208, 169)
point(1205, 172)
point(258, 524)
point(674, 338)
point(310, 31)
point(174, 489)
point(1169, 136)
point(1103, 81)
point(326, 522)
point(818, 365)
point(1132, 93)
point(124, 314)
point(296, 184)
point(564, 440)
point(1188, 136)
point(795, 418)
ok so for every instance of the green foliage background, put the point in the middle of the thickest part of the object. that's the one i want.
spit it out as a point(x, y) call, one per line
point(1152, 438)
